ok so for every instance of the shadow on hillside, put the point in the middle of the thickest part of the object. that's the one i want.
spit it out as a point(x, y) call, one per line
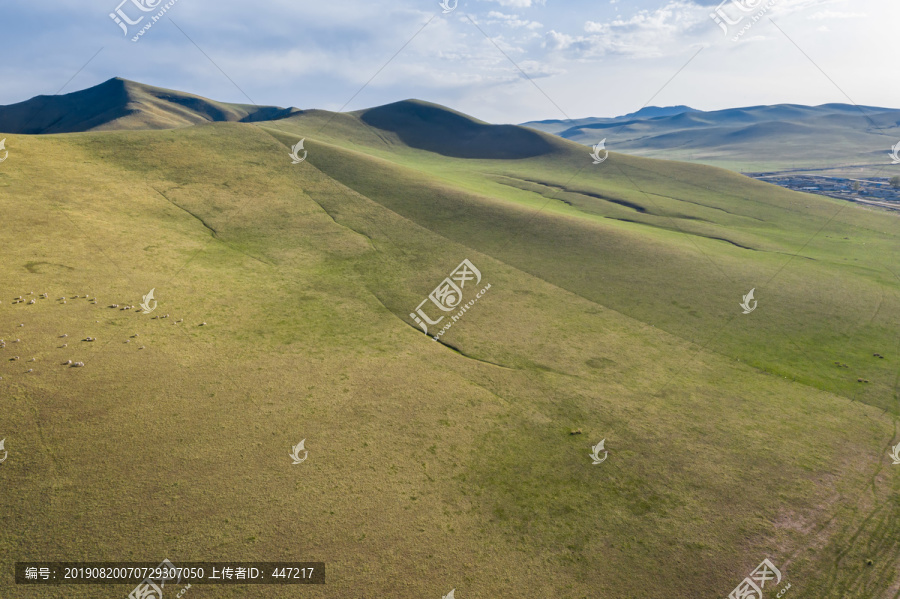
point(434, 129)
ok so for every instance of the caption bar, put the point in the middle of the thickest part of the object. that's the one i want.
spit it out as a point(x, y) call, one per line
point(57, 573)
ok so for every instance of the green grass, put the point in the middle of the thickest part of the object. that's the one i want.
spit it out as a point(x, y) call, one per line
point(731, 437)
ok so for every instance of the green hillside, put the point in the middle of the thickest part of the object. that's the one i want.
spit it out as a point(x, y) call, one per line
point(612, 308)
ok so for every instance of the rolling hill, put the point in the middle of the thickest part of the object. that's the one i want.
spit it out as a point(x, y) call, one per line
point(285, 293)
point(120, 104)
point(839, 138)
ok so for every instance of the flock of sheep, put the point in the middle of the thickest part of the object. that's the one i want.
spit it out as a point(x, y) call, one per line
point(28, 301)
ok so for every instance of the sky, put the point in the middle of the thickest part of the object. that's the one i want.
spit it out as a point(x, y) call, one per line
point(502, 61)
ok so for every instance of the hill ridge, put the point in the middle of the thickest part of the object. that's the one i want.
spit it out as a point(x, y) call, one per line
point(121, 104)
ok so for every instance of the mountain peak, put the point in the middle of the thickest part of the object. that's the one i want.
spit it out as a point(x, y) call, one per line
point(122, 104)
point(649, 112)
point(435, 128)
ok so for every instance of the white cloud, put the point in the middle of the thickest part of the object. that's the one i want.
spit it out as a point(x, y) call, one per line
point(511, 21)
point(644, 34)
point(518, 3)
point(833, 14)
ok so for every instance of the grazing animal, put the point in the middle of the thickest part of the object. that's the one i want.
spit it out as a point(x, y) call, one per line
point(77, 364)
point(67, 362)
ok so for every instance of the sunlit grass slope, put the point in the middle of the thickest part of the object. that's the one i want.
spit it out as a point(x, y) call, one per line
point(436, 466)
point(674, 245)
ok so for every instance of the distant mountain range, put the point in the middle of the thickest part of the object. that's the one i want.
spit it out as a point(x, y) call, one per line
point(752, 138)
point(648, 112)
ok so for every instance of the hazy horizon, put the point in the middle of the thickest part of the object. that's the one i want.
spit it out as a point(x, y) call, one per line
point(574, 118)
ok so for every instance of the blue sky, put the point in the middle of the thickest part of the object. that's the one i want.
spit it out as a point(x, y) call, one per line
point(583, 58)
